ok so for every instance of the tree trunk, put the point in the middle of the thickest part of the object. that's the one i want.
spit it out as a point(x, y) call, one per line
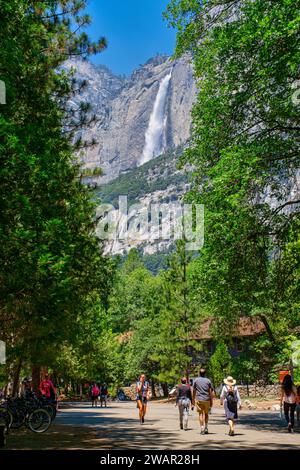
point(187, 374)
point(268, 329)
point(16, 378)
point(165, 389)
point(153, 389)
point(36, 378)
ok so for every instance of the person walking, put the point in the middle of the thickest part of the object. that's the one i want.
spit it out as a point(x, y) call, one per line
point(289, 399)
point(26, 390)
point(47, 388)
point(183, 401)
point(298, 406)
point(231, 400)
point(103, 395)
point(203, 397)
point(142, 397)
point(94, 394)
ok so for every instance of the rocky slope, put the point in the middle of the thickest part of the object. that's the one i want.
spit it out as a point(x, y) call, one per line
point(157, 182)
point(147, 113)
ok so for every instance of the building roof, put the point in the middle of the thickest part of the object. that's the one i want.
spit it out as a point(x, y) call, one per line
point(246, 327)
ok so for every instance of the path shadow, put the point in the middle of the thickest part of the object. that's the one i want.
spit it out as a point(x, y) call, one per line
point(87, 428)
point(105, 432)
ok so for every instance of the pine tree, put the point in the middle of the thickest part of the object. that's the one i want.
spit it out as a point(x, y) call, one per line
point(50, 258)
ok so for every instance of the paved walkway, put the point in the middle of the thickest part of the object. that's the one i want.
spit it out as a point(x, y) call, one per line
point(117, 427)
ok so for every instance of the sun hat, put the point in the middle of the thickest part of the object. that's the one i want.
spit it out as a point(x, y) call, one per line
point(229, 380)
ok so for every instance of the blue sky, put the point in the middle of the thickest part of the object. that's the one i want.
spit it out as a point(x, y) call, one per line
point(135, 31)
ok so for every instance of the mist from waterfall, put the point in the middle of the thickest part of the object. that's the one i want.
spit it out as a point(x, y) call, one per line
point(157, 123)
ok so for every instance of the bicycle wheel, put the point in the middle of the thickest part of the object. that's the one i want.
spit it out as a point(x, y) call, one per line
point(38, 421)
point(18, 417)
point(51, 410)
point(6, 417)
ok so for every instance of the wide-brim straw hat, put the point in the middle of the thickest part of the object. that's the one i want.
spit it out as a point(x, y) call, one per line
point(229, 380)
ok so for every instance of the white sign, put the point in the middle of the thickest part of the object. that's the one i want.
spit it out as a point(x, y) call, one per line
point(2, 92)
point(2, 353)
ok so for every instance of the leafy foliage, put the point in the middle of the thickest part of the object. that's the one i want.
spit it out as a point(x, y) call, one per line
point(245, 155)
point(51, 263)
point(220, 364)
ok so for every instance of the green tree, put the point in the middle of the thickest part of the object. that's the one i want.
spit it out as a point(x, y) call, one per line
point(245, 154)
point(135, 294)
point(246, 368)
point(178, 318)
point(50, 259)
point(220, 364)
point(139, 349)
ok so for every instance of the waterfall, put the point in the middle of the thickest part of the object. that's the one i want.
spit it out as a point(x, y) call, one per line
point(157, 124)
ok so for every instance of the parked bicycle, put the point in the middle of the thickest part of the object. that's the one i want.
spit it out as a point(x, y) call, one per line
point(36, 414)
point(5, 422)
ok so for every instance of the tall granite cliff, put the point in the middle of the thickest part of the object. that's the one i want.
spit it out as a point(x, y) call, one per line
point(139, 117)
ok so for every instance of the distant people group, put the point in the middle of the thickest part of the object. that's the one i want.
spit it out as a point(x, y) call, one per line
point(98, 393)
point(201, 395)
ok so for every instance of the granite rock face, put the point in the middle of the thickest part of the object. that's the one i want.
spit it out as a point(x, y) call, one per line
point(124, 106)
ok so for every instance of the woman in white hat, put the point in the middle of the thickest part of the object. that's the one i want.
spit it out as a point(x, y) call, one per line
point(231, 399)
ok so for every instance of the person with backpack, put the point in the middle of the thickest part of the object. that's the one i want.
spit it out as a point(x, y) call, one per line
point(142, 397)
point(183, 401)
point(289, 398)
point(231, 400)
point(94, 394)
point(103, 394)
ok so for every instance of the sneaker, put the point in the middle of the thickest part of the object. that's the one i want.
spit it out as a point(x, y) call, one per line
point(181, 426)
point(289, 427)
point(205, 431)
point(202, 432)
point(143, 419)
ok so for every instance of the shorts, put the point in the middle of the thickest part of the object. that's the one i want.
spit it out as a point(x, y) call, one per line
point(203, 406)
point(142, 399)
